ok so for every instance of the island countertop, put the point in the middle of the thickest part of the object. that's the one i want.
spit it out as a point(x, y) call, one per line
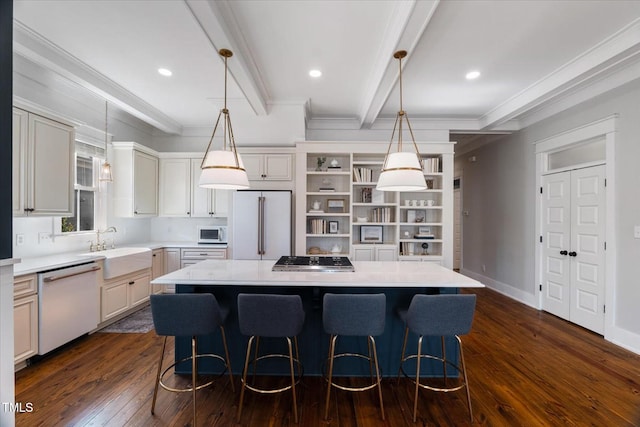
point(367, 274)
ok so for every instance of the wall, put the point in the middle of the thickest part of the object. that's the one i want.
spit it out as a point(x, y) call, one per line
point(509, 173)
point(56, 95)
point(498, 192)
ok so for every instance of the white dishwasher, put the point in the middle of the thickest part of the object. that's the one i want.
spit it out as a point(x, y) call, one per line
point(68, 304)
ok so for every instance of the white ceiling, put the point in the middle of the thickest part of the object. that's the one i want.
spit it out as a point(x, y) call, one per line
point(530, 54)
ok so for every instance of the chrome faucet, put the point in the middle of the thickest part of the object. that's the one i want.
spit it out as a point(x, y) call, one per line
point(101, 246)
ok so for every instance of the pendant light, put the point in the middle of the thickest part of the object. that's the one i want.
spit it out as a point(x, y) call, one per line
point(105, 171)
point(223, 169)
point(401, 171)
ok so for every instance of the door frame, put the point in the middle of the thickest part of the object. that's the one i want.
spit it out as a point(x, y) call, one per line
point(605, 128)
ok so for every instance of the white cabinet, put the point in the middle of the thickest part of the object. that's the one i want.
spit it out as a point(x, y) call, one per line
point(25, 317)
point(352, 217)
point(43, 171)
point(180, 194)
point(268, 167)
point(193, 256)
point(374, 253)
point(123, 293)
point(157, 269)
point(171, 263)
point(135, 180)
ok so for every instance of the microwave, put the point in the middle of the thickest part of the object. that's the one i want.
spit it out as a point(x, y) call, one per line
point(212, 234)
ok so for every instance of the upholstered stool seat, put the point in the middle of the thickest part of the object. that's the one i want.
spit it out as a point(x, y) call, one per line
point(438, 316)
point(271, 316)
point(188, 315)
point(359, 315)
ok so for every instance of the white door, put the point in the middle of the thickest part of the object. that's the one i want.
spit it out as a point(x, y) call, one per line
point(573, 254)
point(587, 247)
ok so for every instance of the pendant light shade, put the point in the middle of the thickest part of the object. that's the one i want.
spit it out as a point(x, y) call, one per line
point(401, 171)
point(223, 169)
point(105, 170)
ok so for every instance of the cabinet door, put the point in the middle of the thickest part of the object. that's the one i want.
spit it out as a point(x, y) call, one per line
point(175, 187)
point(202, 202)
point(157, 269)
point(25, 327)
point(386, 254)
point(50, 172)
point(221, 202)
point(114, 300)
point(25, 285)
point(171, 260)
point(277, 167)
point(19, 147)
point(253, 164)
point(139, 289)
point(145, 184)
point(364, 253)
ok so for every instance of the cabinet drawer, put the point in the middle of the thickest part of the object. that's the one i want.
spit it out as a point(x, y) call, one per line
point(204, 254)
point(25, 285)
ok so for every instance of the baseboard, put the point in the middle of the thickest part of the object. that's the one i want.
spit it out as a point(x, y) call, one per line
point(624, 338)
point(503, 288)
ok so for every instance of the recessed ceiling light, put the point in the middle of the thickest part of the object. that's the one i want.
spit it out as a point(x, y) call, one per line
point(315, 73)
point(471, 75)
point(165, 72)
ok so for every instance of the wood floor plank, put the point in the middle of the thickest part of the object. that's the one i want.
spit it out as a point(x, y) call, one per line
point(526, 368)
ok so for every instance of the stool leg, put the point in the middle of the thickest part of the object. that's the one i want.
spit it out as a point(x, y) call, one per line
point(444, 360)
point(293, 381)
point(244, 377)
point(415, 395)
point(155, 388)
point(378, 379)
point(466, 381)
point(255, 358)
point(404, 348)
point(194, 375)
point(295, 342)
point(226, 357)
point(332, 348)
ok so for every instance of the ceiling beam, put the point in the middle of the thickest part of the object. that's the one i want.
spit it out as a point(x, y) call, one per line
point(405, 29)
point(39, 50)
point(220, 26)
point(605, 58)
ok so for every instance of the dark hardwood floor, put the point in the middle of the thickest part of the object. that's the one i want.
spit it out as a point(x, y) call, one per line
point(526, 368)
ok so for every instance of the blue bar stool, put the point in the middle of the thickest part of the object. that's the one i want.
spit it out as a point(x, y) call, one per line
point(438, 315)
point(275, 316)
point(359, 315)
point(188, 315)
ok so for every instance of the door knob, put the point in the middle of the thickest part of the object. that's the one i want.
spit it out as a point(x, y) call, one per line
point(573, 253)
point(563, 252)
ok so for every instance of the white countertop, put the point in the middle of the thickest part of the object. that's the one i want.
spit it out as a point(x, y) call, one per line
point(31, 265)
point(367, 274)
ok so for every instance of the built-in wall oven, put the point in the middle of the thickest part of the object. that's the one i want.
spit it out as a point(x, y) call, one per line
point(69, 304)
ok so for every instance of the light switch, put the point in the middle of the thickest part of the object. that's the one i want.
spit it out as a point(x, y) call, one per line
point(636, 231)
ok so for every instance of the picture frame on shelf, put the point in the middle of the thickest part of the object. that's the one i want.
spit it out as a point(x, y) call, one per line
point(333, 227)
point(335, 205)
point(371, 234)
point(366, 195)
point(415, 216)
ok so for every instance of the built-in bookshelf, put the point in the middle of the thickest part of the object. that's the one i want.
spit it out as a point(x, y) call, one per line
point(344, 214)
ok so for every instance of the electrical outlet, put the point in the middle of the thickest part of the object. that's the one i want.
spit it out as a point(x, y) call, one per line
point(484, 268)
point(44, 237)
point(19, 239)
point(636, 232)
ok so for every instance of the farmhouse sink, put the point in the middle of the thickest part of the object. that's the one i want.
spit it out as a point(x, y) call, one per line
point(121, 261)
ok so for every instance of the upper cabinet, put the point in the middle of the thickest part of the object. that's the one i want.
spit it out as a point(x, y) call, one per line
point(180, 194)
point(135, 180)
point(42, 165)
point(268, 167)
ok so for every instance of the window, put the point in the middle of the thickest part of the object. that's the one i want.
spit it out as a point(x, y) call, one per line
point(86, 191)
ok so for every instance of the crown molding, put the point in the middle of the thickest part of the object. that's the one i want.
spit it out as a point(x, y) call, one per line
point(37, 49)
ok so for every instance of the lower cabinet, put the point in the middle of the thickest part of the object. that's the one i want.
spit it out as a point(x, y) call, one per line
point(374, 253)
point(194, 256)
point(25, 317)
point(157, 269)
point(123, 293)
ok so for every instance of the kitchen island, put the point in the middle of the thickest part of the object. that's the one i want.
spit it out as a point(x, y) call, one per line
point(399, 281)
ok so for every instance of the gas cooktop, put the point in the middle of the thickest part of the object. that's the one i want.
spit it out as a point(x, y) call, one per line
point(313, 263)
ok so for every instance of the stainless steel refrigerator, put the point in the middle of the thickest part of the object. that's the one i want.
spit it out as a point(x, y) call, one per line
point(261, 224)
